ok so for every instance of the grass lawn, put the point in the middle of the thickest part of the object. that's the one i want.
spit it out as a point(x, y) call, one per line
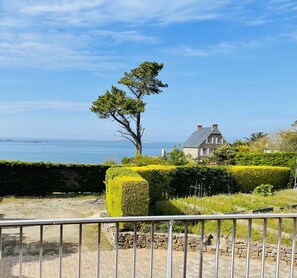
point(246, 203)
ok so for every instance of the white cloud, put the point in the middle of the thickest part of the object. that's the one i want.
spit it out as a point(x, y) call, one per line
point(52, 56)
point(84, 34)
point(12, 107)
point(231, 48)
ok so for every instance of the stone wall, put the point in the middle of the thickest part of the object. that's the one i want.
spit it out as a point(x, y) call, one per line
point(209, 244)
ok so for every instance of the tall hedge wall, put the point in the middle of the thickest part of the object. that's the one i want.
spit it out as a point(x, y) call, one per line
point(159, 178)
point(249, 177)
point(267, 159)
point(41, 178)
point(212, 180)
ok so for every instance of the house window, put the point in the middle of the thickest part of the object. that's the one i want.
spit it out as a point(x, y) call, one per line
point(212, 140)
point(203, 152)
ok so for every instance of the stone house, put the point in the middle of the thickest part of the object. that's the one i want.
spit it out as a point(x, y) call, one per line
point(203, 142)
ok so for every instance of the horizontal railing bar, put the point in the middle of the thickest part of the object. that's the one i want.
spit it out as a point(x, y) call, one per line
point(10, 223)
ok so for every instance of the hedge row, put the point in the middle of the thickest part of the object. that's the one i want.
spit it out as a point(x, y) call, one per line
point(167, 181)
point(127, 193)
point(211, 180)
point(267, 159)
point(249, 177)
point(41, 178)
point(159, 178)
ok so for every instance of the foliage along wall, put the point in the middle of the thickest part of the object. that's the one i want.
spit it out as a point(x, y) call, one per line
point(41, 178)
point(165, 181)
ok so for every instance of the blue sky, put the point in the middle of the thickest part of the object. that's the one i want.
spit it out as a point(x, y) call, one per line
point(229, 62)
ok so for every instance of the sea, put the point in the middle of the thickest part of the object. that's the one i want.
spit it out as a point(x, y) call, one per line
point(74, 151)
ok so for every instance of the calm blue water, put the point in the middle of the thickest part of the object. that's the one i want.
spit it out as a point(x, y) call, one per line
point(73, 151)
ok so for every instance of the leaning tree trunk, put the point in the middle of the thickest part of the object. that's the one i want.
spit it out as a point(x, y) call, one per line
point(138, 143)
point(138, 147)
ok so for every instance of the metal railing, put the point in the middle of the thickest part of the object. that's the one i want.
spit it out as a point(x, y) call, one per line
point(235, 218)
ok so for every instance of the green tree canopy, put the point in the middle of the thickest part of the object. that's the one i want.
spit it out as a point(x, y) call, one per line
point(126, 109)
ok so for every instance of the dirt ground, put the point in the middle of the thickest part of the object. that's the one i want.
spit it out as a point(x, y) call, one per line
point(54, 207)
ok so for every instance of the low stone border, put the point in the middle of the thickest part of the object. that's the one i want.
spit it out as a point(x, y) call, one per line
point(209, 244)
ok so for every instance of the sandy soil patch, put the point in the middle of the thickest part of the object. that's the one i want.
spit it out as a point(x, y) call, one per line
point(49, 208)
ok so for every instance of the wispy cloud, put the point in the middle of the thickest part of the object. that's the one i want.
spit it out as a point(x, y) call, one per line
point(12, 107)
point(231, 48)
point(104, 11)
point(84, 34)
point(52, 57)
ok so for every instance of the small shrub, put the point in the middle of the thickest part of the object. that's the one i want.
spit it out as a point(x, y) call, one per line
point(264, 190)
point(177, 156)
point(144, 161)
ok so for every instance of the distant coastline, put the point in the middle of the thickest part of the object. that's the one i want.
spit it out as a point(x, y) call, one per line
point(74, 151)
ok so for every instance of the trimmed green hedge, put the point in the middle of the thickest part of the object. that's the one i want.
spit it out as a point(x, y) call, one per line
point(267, 159)
point(159, 178)
point(127, 193)
point(126, 185)
point(41, 178)
point(249, 177)
point(212, 179)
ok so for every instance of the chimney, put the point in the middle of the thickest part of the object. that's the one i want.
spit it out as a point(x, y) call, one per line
point(214, 126)
point(199, 127)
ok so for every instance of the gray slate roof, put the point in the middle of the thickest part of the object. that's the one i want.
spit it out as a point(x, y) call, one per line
point(199, 136)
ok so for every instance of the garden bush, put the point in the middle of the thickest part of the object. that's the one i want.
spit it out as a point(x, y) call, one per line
point(267, 159)
point(264, 190)
point(249, 177)
point(144, 160)
point(159, 178)
point(127, 193)
point(41, 178)
point(212, 179)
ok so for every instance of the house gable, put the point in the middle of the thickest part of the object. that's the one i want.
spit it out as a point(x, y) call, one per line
point(203, 141)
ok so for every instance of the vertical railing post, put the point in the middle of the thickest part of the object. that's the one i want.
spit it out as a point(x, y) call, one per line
point(41, 252)
point(60, 251)
point(152, 249)
point(263, 247)
point(248, 249)
point(98, 251)
point(218, 248)
point(293, 248)
point(1, 252)
point(117, 251)
point(233, 248)
point(201, 249)
point(79, 250)
point(21, 251)
point(185, 250)
point(169, 251)
point(134, 251)
point(279, 239)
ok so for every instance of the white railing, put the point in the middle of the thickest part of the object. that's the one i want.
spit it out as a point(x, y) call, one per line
point(20, 224)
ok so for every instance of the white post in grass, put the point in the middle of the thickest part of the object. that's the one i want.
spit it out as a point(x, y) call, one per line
point(295, 181)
